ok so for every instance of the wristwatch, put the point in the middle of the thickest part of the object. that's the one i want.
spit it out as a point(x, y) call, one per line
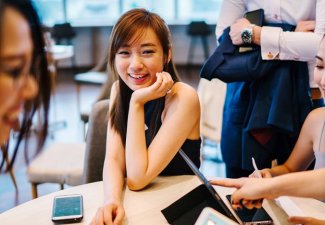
point(247, 35)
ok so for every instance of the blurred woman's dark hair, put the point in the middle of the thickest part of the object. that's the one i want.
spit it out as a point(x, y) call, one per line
point(39, 70)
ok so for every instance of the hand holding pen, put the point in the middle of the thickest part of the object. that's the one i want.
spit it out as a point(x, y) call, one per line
point(257, 203)
point(264, 173)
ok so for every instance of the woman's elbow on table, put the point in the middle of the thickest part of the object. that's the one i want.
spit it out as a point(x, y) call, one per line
point(136, 184)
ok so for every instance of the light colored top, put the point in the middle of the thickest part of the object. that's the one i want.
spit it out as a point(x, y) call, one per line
point(299, 46)
point(320, 152)
point(320, 160)
point(141, 207)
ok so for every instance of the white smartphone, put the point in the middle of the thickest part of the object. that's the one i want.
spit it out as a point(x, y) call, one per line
point(210, 216)
point(67, 209)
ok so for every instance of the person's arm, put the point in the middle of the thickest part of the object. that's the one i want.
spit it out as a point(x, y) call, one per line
point(305, 220)
point(231, 10)
point(303, 184)
point(303, 152)
point(300, 46)
point(113, 176)
point(180, 116)
point(114, 165)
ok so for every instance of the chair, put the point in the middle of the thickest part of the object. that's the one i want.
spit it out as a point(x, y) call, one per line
point(98, 76)
point(73, 163)
point(198, 29)
point(64, 32)
point(96, 142)
point(212, 96)
point(61, 163)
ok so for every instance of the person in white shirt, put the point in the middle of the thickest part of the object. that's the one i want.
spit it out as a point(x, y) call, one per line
point(285, 179)
point(276, 44)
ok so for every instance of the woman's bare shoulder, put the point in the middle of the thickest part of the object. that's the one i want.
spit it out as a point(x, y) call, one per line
point(184, 94)
point(317, 115)
point(315, 118)
point(184, 90)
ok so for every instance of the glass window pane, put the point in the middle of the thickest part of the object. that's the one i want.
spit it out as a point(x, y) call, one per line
point(106, 12)
point(92, 12)
point(50, 11)
point(165, 8)
point(207, 10)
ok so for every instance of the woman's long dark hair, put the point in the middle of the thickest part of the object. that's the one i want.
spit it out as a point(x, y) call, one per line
point(130, 27)
point(39, 70)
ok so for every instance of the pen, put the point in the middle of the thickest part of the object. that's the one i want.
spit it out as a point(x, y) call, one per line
point(257, 171)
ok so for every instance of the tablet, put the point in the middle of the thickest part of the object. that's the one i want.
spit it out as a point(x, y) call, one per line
point(210, 216)
point(244, 216)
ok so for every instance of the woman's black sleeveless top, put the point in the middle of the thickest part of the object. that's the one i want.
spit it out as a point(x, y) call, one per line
point(191, 147)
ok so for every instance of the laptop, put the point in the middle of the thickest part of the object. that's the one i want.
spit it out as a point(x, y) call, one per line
point(243, 216)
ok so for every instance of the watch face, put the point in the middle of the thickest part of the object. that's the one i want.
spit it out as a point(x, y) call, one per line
point(246, 36)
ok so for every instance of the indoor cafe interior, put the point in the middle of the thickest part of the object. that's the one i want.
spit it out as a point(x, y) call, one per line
point(78, 31)
point(241, 63)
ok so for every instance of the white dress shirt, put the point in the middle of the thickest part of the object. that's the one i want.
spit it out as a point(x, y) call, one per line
point(275, 43)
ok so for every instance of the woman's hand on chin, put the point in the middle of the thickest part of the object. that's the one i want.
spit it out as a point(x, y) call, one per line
point(157, 90)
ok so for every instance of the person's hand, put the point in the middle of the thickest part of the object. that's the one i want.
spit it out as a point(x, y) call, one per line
point(265, 173)
point(236, 29)
point(158, 89)
point(305, 220)
point(249, 193)
point(109, 214)
point(306, 26)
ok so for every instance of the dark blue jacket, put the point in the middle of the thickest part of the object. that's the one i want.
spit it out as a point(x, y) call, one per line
point(261, 95)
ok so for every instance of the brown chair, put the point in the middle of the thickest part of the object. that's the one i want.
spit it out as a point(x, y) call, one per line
point(73, 163)
point(96, 142)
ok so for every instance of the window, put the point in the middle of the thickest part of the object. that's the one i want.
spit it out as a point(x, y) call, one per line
point(92, 12)
point(106, 12)
point(50, 11)
point(190, 10)
point(165, 8)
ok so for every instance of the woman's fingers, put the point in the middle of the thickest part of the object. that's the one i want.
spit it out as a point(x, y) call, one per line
point(166, 82)
point(118, 215)
point(107, 215)
point(99, 219)
point(236, 183)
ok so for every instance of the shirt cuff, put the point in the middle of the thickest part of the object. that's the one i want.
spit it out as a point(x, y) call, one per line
point(270, 46)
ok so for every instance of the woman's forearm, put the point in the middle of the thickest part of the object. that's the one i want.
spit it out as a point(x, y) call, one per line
point(113, 179)
point(135, 146)
point(304, 184)
point(280, 170)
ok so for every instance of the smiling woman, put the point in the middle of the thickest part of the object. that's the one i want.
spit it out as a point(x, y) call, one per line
point(24, 80)
point(152, 114)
